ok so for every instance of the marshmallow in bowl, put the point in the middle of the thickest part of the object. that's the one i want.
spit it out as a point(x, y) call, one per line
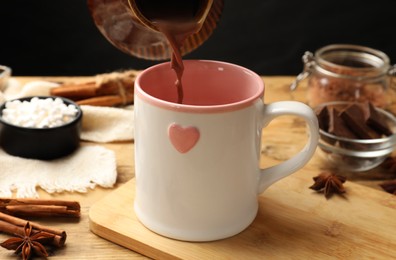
point(39, 112)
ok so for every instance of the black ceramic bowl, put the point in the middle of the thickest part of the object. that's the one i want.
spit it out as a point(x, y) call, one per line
point(41, 143)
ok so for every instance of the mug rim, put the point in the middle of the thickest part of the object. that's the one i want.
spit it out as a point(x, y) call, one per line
point(139, 92)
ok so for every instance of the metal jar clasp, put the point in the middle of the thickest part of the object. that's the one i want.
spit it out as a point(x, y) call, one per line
point(309, 62)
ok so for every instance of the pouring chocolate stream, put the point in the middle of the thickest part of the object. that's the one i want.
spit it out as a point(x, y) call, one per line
point(156, 29)
point(176, 20)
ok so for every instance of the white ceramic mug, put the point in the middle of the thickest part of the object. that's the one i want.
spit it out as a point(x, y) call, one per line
point(197, 163)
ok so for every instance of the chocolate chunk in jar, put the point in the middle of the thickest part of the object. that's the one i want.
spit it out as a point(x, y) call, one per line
point(323, 118)
point(337, 125)
point(355, 121)
point(353, 117)
point(377, 121)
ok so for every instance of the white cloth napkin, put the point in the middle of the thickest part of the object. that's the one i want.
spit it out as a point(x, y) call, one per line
point(107, 124)
point(87, 167)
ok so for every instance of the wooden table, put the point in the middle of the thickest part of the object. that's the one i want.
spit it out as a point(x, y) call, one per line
point(83, 244)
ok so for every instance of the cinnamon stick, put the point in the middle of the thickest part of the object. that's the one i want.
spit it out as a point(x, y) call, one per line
point(40, 207)
point(75, 91)
point(109, 100)
point(13, 225)
point(119, 86)
point(90, 89)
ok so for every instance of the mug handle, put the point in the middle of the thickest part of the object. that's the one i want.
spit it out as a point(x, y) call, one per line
point(273, 174)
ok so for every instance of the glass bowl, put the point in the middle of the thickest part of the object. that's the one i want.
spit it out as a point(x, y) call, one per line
point(356, 155)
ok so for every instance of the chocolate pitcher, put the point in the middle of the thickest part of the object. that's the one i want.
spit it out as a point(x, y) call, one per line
point(132, 25)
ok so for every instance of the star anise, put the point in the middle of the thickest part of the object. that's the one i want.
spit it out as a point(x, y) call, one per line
point(29, 243)
point(389, 186)
point(329, 183)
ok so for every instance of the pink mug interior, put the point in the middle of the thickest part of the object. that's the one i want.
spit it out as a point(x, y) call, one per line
point(205, 84)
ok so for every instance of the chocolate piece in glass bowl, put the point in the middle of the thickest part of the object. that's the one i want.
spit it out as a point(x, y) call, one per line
point(353, 116)
point(323, 118)
point(356, 154)
point(377, 121)
point(337, 125)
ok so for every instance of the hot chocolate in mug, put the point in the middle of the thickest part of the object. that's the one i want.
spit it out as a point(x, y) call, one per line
point(197, 163)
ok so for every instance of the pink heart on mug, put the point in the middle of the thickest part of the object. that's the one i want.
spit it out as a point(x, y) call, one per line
point(183, 138)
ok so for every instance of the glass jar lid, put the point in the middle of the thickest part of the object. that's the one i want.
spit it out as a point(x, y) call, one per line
point(346, 61)
point(351, 61)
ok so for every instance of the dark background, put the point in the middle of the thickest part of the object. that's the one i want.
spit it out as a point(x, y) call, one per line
point(58, 37)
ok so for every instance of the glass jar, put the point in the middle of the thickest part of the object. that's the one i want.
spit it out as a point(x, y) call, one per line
point(342, 72)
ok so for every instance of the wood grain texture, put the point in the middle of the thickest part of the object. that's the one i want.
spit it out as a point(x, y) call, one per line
point(292, 221)
point(306, 216)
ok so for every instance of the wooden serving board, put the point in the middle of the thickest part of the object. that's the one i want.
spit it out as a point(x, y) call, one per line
point(293, 222)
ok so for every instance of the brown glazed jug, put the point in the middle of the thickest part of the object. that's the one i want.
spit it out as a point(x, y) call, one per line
point(127, 24)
